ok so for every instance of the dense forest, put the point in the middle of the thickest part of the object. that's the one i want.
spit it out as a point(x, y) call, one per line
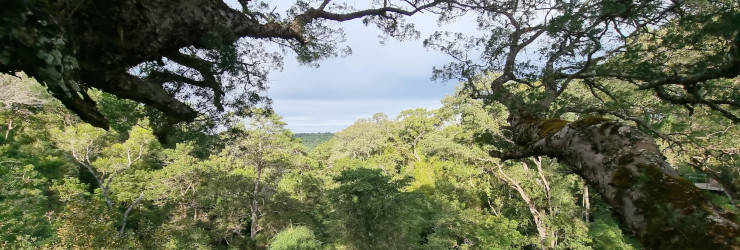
point(142, 124)
point(422, 180)
point(311, 140)
point(419, 180)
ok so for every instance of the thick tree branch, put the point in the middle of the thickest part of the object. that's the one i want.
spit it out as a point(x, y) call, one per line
point(137, 89)
point(98, 43)
point(626, 167)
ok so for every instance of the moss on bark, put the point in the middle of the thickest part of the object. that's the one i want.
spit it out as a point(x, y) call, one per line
point(676, 213)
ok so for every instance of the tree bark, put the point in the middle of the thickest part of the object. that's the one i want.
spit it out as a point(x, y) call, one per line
point(627, 168)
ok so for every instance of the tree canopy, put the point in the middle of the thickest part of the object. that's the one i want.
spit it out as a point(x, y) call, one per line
point(627, 98)
point(179, 58)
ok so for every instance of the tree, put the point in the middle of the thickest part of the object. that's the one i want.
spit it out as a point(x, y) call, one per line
point(19, 91)
point(19, 100)
point(363, 139)
point(107, 162)
point(295, 239)
point(591, 43)
point(374, 212)
point(415, 124)
point(195, 194)
point(685, 53)
point(85, 221)
point(540, 192)
point(162, 54)
point(22, 206)
point(267, 146)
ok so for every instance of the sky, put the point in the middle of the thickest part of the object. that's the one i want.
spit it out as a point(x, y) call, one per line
point(375, 78)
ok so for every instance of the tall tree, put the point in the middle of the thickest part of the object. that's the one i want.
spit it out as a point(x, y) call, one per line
point(265, 145)
point(363, 139)
point(415, 125)
point(108, 163)
point(18, 100)
point(374, 212)
point(590, 42)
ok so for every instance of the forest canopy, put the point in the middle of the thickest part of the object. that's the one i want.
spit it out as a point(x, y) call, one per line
point(577, 124)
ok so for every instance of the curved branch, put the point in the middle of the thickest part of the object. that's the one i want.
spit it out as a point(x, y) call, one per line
point(320, 13)
point(205, 68)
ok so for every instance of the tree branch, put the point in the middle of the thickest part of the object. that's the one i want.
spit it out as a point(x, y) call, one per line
point(128, 211)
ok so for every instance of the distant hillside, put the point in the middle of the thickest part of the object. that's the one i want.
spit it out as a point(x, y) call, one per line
point(313, 139)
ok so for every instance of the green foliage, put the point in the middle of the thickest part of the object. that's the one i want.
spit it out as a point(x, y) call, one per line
point(123, 114)
point(422, 180)
point(297, 238)
point(85, 221)
point(605, 230)
point(23, 207)
point(366, 137)
point(362, 189)
point(458, 227)
point(374, 212)
point(311, 140)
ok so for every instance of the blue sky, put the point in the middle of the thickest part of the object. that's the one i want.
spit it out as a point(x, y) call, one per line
point(376, 78)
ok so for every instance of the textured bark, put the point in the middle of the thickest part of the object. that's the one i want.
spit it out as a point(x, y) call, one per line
point(119, 35)
point(627, 168)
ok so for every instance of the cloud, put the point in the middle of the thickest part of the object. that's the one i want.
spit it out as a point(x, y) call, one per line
point(305, 116)
point(375, 78)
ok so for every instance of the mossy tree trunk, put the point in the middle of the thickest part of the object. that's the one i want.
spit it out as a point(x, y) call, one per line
point(627, 168)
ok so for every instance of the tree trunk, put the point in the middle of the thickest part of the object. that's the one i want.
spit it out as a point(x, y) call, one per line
point(101, 184)
point(627, 168)
point(10, 127)
point(545, 183)
point(536, 215)
point(586, 205)
point(416, 152)
point(128, 211)
point(254, 228)
point(548, 196)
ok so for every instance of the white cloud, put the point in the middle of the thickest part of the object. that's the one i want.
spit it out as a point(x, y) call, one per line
point(375, 78)
point(334, 115)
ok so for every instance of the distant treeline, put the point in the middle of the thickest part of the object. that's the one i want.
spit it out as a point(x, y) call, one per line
point(310, 140)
